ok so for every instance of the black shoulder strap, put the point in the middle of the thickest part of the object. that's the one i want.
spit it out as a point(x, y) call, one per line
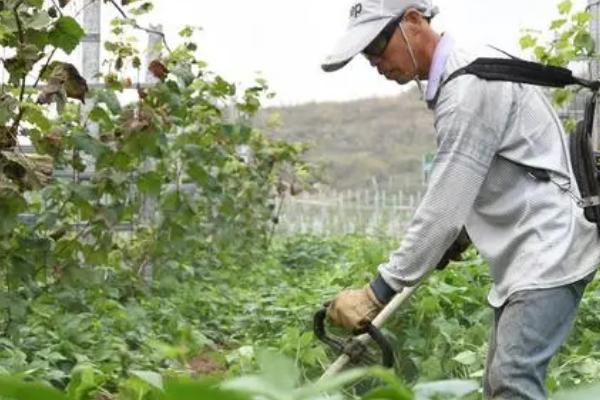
point(583, 160)
point(521, 71)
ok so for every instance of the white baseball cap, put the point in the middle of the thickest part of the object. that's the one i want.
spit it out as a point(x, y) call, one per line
point(367, 20)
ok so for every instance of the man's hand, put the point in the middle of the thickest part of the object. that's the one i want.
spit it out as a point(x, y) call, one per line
point(353, 309)
point(454, 252)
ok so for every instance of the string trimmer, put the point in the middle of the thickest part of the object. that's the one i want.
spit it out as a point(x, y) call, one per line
point(354, 349)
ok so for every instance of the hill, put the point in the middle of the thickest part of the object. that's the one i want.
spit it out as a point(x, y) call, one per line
point(356, 141)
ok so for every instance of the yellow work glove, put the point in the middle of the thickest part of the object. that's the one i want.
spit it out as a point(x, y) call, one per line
point(353, 309)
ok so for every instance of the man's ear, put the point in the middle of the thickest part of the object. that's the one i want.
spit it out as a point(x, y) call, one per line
point(414, 16)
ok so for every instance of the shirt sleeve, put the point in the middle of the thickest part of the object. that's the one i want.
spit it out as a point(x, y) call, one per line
point(468, 126)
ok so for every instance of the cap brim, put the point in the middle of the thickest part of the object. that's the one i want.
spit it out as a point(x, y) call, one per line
point(353, 42)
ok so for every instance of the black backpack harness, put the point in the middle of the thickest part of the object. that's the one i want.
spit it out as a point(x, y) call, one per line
point(584, 161)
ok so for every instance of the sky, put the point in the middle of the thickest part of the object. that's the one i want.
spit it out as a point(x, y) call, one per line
point(284, 41)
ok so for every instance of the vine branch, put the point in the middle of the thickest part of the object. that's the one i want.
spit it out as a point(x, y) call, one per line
point(57, 8)
point(137, 26)
point(589, 6)
point(44, 68)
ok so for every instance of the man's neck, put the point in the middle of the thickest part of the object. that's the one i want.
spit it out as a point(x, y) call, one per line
point(428, 50)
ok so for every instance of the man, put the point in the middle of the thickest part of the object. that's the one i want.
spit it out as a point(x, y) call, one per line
point(502, 171)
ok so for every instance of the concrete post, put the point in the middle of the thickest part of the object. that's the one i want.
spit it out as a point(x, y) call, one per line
point(152, 51)
point(90, 45)
point(149, 203)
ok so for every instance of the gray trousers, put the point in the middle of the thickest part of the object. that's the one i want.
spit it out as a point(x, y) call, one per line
point(528, 330)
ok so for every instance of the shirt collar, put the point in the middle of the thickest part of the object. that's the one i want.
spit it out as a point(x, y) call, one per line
point(440, 55)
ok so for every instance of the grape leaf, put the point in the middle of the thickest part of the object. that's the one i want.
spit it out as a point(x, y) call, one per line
point(66, 34)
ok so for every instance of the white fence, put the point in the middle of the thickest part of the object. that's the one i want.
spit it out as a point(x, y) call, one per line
point(372, 212)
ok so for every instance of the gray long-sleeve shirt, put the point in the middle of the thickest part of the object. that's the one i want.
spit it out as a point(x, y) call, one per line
point(532, 232)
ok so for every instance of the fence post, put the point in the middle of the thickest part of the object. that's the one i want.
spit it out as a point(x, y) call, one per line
point(90, 44)
point(149, 203)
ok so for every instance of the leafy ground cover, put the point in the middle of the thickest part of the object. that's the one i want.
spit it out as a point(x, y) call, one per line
point(95, 341)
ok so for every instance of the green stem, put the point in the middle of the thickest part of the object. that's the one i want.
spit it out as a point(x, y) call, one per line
point(44, 68)
point(136, 26)
point(57, 8)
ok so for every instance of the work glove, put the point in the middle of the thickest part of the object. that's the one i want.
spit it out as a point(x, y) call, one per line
point(353, 309)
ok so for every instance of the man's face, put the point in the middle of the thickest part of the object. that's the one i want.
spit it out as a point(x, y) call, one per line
point(395, 63)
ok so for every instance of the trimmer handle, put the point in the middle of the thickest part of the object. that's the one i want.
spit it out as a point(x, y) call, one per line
point(351, 347)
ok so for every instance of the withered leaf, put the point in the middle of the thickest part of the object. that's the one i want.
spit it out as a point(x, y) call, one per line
point(137, 121)
point(28, 171)
point(63, 3)
point(132, 119)
point(63, 80)
point(8, 137)
point(75, 85)
point(158, 69)
point(53, 89)
point(142, 93)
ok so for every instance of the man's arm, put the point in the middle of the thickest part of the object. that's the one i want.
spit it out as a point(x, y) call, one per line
point(469, 137)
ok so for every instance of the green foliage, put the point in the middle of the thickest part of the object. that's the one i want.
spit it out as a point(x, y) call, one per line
point(75, 294)
point(572, 38)
point(111, 337)
point(571, 41)
point(277, 380)
point(173, 147)
point(66, 34)
point(16, 390)
point(196, 299)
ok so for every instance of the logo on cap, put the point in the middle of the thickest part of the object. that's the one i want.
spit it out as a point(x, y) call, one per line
point(356, 10)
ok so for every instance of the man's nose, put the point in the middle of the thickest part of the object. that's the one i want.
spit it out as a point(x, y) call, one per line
point(374, 61)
